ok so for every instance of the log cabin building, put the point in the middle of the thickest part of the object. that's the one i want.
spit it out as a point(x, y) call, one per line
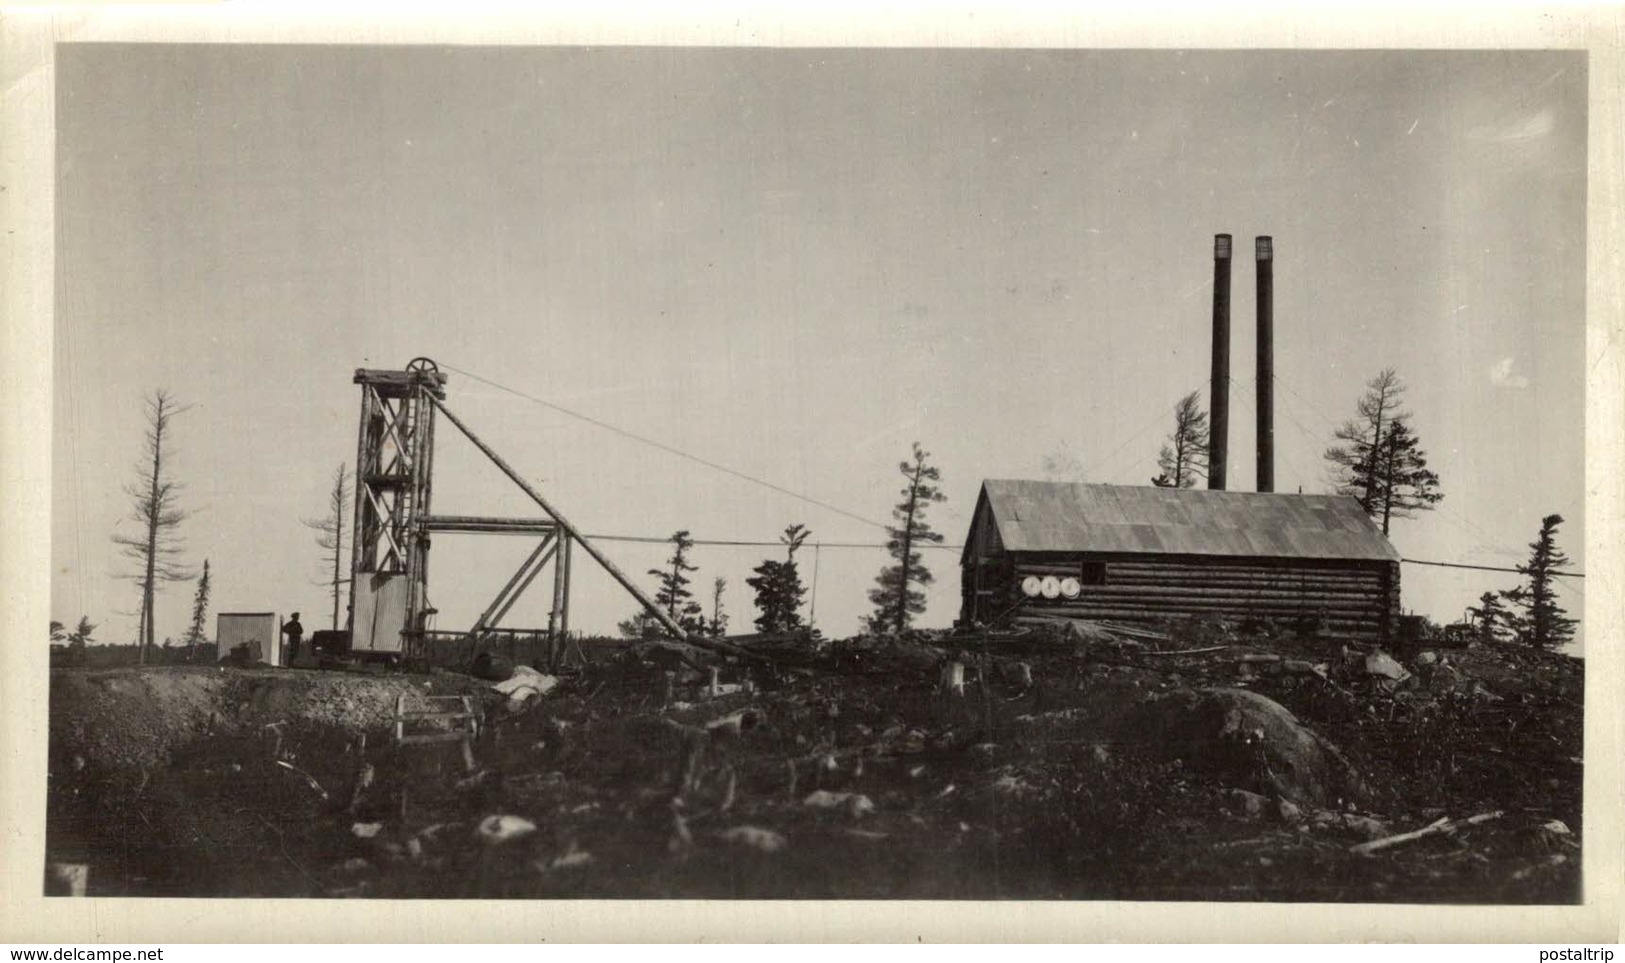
point(1132, 553)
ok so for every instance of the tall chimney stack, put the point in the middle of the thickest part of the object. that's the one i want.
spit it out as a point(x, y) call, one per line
point(1265, 251)
point(1219, 387)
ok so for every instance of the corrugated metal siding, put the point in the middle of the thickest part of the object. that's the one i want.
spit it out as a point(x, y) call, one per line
point(1035, 516)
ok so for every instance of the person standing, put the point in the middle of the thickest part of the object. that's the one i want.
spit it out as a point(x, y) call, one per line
point(293, 631)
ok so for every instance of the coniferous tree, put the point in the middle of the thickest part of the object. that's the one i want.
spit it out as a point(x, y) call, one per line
point(641, 625)
point(674, 593)
point(1405, 485)
point(1539, 620)
point(154, 506)
point(1489, 617)
point(895, 597)
point(81, 634)
point(719, 619)
point(778, 586)
point(1184, 457)
point(195, 634)
point(76, 640)
point(1377, 459)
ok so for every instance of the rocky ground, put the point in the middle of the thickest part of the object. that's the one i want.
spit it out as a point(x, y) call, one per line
point(1086, 763)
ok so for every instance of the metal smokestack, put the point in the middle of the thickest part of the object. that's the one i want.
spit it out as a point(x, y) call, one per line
point(1219, 387)
point(1265, 253)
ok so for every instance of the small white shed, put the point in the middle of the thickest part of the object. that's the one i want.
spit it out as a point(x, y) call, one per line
point(237, 628)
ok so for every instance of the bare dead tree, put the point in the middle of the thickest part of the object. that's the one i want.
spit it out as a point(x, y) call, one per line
point(1184, 457)
point(154, 506)
point(330, 537)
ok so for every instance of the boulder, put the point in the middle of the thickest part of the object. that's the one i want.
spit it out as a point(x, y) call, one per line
point(1445, 678)
point(1245, 739)
point(1248, 804)
point(1384, 666)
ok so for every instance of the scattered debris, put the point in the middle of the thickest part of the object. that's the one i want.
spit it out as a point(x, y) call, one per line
point(1009, 784)
point(1201, 651)
point(1366, 827)
point(523, 685)
point(855, 803)
point(501, 829)
point(734, 722)
point(764, 840)
point(311, 780)
point(1107, 777)
point(573, 857)
point(1441, 825)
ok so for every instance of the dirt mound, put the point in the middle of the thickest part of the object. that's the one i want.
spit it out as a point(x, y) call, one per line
point(1253, 740)
point(135, 718)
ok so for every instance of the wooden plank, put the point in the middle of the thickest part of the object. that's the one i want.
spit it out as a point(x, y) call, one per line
point(1200, 604)
point(434, 738)
point(483, 524)
point(1115, 574)
point(1371, 578)
point(1128, 568)
point(1141, 560)
point(1284, 575)
point(1240, 611)
point(1240, 588)
point(1369, 585)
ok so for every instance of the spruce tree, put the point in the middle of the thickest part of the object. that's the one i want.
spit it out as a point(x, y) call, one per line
point(674, 593)
point(778, 586)
point(895, 597)
point(719, 619)
point(1404, 483)
point(1489, 617)
point(1540, 621)
point(195, 634)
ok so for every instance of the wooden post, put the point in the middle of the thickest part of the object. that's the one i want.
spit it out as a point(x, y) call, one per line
point(559, 562)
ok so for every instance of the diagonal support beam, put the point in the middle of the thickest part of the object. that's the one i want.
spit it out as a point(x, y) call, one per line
point(631, 587)
point(504, 600)
point(389, 416)
point(386, 521)
point(530, 577)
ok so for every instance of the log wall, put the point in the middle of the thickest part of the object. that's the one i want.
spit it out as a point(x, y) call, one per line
point(1357, 598)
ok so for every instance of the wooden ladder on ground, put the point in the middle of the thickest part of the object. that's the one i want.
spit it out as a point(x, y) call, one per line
point(438, 719)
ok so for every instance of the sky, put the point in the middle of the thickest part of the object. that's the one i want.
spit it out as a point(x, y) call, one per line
point(795, 263)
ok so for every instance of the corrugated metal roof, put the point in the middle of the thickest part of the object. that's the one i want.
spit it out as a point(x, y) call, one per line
point(1037, 516)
